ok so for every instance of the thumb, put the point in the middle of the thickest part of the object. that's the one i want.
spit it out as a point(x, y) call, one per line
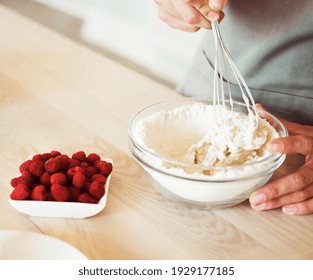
point(292, 144)
point(217, 5)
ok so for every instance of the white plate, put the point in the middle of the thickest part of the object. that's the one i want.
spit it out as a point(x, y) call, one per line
point(19, 245)
point(62, 209)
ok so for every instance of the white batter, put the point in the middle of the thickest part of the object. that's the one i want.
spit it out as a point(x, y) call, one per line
point(191, 134)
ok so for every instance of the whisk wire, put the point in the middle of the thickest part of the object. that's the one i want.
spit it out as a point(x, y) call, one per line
point(222, 57)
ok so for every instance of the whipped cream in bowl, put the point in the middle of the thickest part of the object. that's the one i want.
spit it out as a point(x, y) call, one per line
point(202, 154)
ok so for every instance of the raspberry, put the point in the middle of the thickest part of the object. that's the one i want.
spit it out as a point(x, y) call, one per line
point(92, 158)
point(84, 165)
point(52, 166)
point(59, 192)
point(90, 171)
point(25, 165)
point(73, 162)
point(63, 160)
point(73, 194)
point(37, 168)
point(79, 180)
point(98, 177)
point(43, 157)
point(28, 177)
point(55, 154)
point(20, 179)
point(45, 179)
point(96, 189)
point(58, 178)
point(86, 198)
point(73, 170)
point(81, 156)
point(20, 192)
point(105, 168)
point(39, 193)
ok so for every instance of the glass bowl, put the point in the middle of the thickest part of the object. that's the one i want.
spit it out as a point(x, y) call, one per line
point(194, 184)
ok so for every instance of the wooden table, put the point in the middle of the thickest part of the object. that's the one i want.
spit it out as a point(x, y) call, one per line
point(58, 95)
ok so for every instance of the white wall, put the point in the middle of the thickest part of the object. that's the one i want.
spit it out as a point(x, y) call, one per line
point(132, 29)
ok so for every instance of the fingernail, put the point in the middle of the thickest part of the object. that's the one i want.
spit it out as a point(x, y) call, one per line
point(289, 209)
point(217, 4)
point(259, 207)
point(257, 198)
point(213, 16)
point(275, 147)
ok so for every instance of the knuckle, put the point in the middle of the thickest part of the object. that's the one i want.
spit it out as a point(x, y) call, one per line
point(302, 195)
point(274, 191)
point(307, 142)
point(192, 18)
point(306, 208)
point(298, 180)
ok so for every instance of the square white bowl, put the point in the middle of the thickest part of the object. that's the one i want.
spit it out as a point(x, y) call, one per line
point(63, 209)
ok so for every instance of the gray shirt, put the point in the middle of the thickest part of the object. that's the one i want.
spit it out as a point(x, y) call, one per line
point(272, 44)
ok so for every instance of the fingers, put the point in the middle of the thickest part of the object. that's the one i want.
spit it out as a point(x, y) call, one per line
point(293, 144)
point(193, 16)
point(190, 15)
point(298, 129)
point(292, 203)
point(175, 22)
point(301, 208)
point(217, 5)
point(294, 192)
point(294, 188)
point(291, 183)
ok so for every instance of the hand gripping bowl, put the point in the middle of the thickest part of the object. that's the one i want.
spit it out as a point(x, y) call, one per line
point(195, 188)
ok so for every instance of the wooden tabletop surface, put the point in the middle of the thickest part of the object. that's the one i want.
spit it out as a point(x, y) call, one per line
point(58, 95)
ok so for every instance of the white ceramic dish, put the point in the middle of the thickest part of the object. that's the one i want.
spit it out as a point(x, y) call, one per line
point(20, 245)
point(62, 209)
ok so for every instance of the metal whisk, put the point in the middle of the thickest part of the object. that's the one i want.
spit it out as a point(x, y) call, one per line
point(222, 60)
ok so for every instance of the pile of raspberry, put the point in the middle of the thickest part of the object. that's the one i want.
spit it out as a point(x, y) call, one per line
point(57, 177)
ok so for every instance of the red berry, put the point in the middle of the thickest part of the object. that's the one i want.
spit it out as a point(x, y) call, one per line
point(45, 179)
point(99, 177)
point(37, 168)
point(55, 153)
point(84, 165)
point(59, 192)
point(90, 171)
point(96, 189)
point(39, 193)
point(73, 162)
point(58, 178)
point(79, 180)
point(25, 165)
point(52, 166)
point(20, 192)
point(86, 198)
point(92, 158)
point(73, 170)
point(43, 157)
point(21, 179)
point(105, 168)
point(81, 156)
point(63, 161)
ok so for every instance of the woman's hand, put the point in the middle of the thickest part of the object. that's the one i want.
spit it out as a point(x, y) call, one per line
point(190, 15)
point(293, 192)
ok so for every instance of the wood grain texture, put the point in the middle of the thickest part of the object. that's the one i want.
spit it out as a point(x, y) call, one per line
point(58, 95)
